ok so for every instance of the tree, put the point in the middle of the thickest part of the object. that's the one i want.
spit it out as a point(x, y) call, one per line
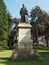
point(41, 22)
point(13, 31)
point(47, 35)
point(35, 14)
point(10, 36)
point(9, 23)
point(3, 24)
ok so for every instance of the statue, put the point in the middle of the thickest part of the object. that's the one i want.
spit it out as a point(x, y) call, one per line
point(24, 14)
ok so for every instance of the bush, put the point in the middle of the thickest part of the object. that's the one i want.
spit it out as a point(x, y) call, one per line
point(3, 45)
point(43, 47)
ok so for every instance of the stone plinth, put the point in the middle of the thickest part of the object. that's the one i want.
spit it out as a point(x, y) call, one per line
point(25, 44)
point(24, 38)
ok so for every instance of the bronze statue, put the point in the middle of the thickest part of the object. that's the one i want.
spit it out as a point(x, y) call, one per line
point(23, 13)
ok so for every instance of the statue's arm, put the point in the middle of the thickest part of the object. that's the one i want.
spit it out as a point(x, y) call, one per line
point(26, 11)
point(21, 11)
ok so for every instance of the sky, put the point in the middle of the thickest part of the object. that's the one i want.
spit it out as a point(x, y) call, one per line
point(14, 6)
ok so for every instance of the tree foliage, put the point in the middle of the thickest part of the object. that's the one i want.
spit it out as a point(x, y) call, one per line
point(13, 31)
point(9, 23)
point(42, 20)
point(3, 24)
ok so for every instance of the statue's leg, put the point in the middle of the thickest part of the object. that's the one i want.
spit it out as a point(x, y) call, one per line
point(24, 18)
point(21, 19)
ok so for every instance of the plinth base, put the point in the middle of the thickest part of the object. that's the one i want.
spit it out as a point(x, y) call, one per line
point(24, 55)
point(25, 44)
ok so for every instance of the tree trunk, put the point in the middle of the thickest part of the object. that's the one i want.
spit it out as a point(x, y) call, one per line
point(46, 38)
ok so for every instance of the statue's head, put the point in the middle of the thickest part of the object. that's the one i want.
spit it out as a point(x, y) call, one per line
point(23, 5)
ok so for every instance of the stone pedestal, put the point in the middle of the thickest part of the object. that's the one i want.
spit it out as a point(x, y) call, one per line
point(25, 44)
point(24, 36)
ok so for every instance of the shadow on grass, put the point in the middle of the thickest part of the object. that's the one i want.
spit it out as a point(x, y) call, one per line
point(43, 60)
point(44, 54)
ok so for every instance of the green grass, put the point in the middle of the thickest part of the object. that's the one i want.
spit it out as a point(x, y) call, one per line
point(6, 54)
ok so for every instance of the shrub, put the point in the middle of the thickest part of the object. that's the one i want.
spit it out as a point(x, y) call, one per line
point(3, 45)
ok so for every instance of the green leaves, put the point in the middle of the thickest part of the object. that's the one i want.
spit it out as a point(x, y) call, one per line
point(43, 18)
point(3, 24)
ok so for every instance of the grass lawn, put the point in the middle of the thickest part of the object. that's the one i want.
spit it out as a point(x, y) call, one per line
point(6, 54)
